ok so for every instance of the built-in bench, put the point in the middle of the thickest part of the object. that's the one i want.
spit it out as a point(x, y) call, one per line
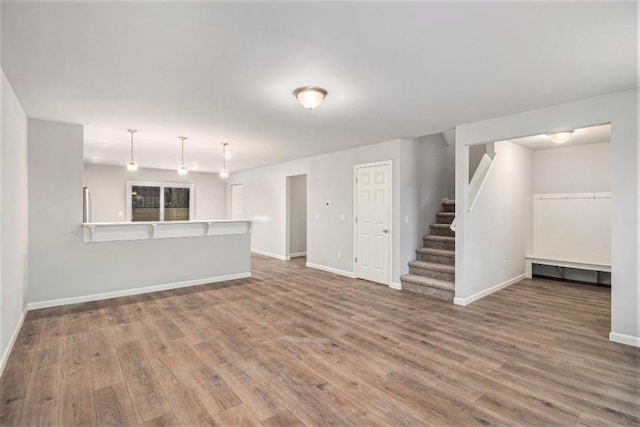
point(557, 262)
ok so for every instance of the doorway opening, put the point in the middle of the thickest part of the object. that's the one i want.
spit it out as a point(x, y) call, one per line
point(296, 216)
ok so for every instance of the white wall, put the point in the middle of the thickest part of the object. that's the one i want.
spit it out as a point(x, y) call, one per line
point(451, 171)
point(297, 206)
point(573, 169)
point(108, 186)
point(330, 178)
point(13, 215)
point(621, 110)
point(62, 266)
point(498, 232)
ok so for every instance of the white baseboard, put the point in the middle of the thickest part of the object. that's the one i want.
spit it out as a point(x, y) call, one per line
point(482, 294)
point(331, 270)
point(270, 254)
point(135, 291)
point(397, 286)
point(624, 339)
point(12, 341)
point(297, 254)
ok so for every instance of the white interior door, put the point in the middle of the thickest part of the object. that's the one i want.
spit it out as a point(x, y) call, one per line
point(236, 201)
point(373, 211)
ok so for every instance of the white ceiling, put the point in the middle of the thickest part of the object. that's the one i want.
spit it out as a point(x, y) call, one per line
point(225, 71)
point(583, 136)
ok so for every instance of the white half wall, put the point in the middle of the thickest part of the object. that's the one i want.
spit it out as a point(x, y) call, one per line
point(62, 267)
point(108, 186)
point(573, 169)
point(621, 110)
point(13, 217)
point(498, 232)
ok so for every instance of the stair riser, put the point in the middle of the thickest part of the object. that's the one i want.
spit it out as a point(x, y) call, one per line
point(446, 207)
point(434, 244)
point(440, 294)
point(445, 232)
point(434, 274)
point(444, 219)
point(436, 259)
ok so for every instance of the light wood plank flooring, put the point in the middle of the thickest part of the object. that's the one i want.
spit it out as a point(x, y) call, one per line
point(296, 346)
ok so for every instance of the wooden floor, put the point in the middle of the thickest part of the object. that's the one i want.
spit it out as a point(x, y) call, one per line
point(296, 346)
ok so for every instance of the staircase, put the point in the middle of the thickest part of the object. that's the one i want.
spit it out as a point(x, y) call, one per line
point(433, 272)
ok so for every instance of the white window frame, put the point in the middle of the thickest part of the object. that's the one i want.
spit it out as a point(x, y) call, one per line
point(162, 185)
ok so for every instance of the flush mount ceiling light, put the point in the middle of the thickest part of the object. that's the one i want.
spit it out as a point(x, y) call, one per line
point(561, 136)
point(310, 96)
point(224, 172)
point(182, 170)
point(132, 166)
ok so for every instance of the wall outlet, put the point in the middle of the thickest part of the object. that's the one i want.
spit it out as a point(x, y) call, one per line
point(504, 265)
point(406, 219)
point(339, 254)
point(120, 214)
point(317, 216)
point(341, 217)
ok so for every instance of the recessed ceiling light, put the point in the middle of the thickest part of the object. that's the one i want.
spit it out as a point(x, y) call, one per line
point(310, 96)
point(561, 136)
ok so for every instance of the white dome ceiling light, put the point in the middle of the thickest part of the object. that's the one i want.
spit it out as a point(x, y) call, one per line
point(310, 96)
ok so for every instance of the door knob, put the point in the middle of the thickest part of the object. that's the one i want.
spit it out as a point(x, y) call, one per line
point(385, 231)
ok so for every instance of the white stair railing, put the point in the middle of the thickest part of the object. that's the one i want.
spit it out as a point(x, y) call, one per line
point(478, 180)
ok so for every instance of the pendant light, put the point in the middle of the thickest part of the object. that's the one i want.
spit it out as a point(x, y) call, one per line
point(224, 172)
point(132, 166)
point(310, 96)
point(182, 170)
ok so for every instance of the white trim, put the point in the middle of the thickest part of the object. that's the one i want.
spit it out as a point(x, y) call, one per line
point(624, 339)
point(468, 300)
point(12, 341)
point(331, 270)
point(135, 291)
point(270, 254)
point(394, 285)
point(355, 212)
point(297, 254)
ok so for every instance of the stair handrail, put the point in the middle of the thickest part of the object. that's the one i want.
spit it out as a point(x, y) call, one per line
point(479, 178)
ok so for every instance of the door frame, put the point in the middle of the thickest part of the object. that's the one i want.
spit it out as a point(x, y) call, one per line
point(287, 246)
point(231, 200)
point(390, 212)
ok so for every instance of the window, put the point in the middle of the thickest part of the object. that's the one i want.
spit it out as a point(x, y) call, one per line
point(159, 201)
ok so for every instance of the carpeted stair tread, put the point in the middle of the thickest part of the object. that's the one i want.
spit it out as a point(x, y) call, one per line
point(439, 238)
point(432, 266)
point(429, 282)
point(445, 226)
point(438, 252)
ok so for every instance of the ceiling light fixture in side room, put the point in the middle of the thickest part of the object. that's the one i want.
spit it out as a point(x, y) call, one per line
point(132, 166)
point(224, 172)
point(561, 136)
point(310, 96)
point(182, 170)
